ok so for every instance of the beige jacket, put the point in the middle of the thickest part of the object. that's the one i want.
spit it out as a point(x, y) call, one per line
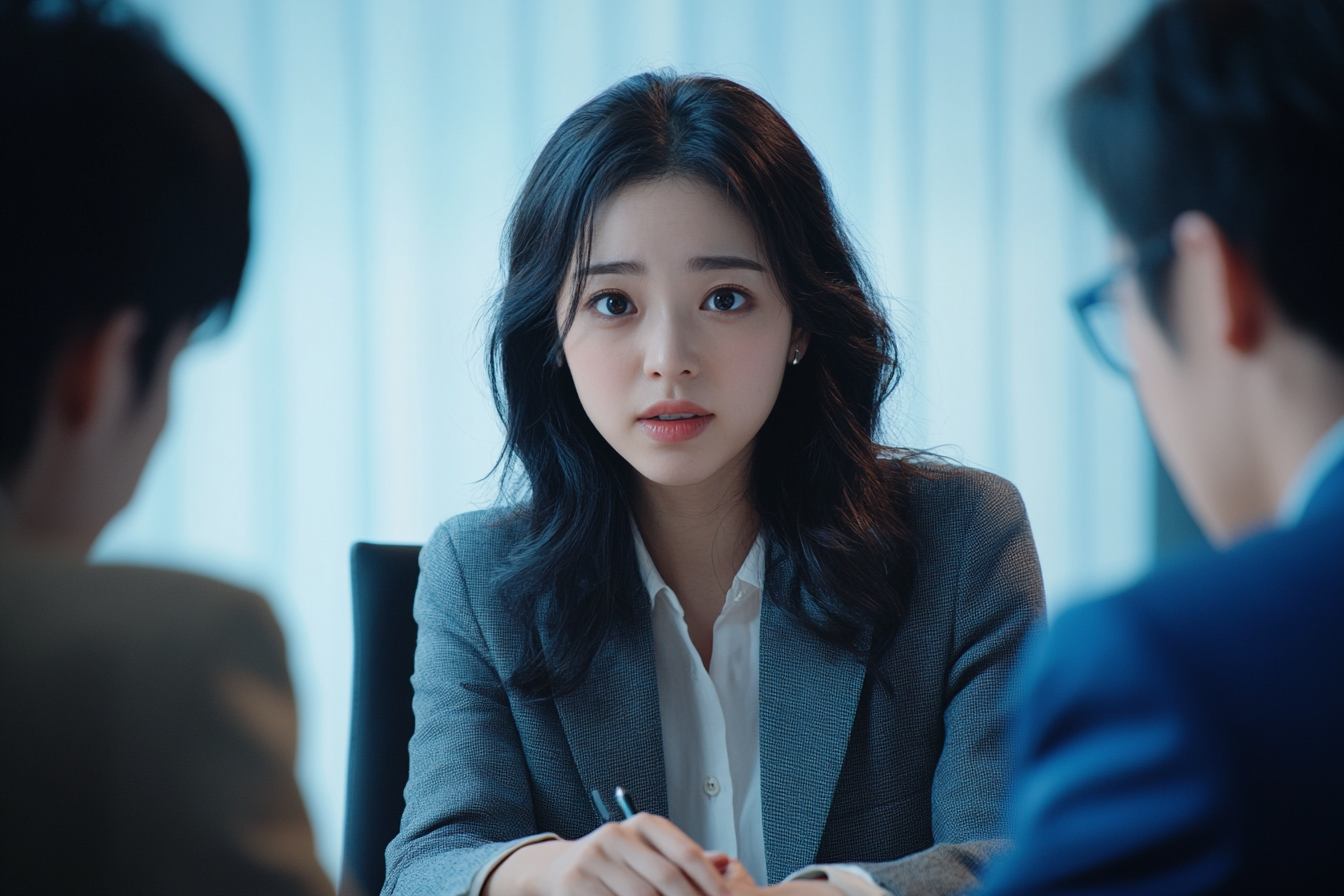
point(147, 736)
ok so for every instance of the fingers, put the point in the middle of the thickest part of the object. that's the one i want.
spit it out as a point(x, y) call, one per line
point(681, 851)
point(737, 877)
point(665, 878)
point(616, 877)
point(594, 866)
point(643, 856)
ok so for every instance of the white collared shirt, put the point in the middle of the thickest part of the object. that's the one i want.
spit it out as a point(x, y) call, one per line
point(711, 717)
point(711, 723)
point(711, 728)
point(1324, 457)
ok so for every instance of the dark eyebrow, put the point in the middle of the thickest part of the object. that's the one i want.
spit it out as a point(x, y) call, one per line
point(725, 263)
point(629, 268)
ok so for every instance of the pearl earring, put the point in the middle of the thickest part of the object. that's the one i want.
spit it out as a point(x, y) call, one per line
point(797, 356)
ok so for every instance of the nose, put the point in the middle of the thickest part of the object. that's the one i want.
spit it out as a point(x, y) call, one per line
point(669, 352)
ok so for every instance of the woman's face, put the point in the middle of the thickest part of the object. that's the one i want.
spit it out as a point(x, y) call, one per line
point(682, 337)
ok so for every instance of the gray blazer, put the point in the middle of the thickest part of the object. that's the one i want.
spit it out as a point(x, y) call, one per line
point(910, 781)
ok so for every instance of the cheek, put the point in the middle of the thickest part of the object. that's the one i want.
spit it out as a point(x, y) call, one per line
point(1157, 380)
point(604, 372)
point(748, 375)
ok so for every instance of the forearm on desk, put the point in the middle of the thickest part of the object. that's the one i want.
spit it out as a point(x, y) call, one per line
point(849, 880)
point(516, 871)
point(943, 869)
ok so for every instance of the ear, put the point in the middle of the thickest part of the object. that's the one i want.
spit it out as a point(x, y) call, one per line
point(1247, 301)
point(94, 370)
point(799, 343)
point(1246, 305)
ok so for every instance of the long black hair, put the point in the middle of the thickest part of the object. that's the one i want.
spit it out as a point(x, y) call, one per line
point(829, 499)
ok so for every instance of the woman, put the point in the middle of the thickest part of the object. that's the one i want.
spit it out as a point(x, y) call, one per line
point(787, 644)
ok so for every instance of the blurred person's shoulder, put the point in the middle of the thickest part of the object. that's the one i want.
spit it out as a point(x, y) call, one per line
point(1248, 633)
point(52, 603)
point(1225, 665)
point(1249, 636)
point(159, 702)
point(1278, 596)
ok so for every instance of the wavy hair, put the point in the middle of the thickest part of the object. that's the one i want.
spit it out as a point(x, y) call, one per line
point(829, 498)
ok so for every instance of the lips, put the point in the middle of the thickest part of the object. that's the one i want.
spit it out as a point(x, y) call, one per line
point(674, 421)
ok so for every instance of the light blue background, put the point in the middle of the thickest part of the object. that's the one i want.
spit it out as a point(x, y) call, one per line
point(388, 138)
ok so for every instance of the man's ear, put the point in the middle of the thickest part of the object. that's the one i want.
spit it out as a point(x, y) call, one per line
point(94, 369)
point(1247, 300)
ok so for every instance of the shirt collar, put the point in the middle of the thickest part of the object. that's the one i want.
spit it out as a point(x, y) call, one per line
point(1328, 453)
point(752, 572)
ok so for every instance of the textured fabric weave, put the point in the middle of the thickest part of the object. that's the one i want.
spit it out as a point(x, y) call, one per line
point(909, 781)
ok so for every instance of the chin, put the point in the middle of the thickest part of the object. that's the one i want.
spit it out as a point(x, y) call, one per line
point(676, 472)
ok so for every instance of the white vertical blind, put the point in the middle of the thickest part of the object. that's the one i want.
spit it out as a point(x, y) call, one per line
point(388, 139)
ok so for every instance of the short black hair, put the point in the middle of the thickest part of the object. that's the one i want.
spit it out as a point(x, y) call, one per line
point(123, 184)
point(1234, 108)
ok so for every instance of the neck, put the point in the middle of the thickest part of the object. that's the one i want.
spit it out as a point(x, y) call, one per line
point(45, 509)
point(26, 535)
point(1297, 400)
point(698, 535)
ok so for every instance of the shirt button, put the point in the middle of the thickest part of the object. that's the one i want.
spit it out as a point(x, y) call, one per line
point(712, 786)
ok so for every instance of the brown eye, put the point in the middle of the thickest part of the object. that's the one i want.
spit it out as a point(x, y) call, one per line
point(612, 305)
point(725, 300)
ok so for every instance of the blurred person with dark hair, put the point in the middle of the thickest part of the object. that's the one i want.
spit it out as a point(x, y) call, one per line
point(147, 724)
point(1186, 735)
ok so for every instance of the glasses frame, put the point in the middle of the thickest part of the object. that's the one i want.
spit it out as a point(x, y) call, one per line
point(1151, 253)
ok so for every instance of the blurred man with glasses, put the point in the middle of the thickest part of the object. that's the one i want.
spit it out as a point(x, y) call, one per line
point(1187, 734)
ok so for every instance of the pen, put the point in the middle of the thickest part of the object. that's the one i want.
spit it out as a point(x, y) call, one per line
point(622, 801)
point(602, 812)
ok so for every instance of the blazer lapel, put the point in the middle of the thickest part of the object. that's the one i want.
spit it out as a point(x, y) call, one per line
point(612, 723)
point(809, 694)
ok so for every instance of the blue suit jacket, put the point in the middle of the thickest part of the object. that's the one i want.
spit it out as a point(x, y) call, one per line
point(1187, 736)
point(850, 771)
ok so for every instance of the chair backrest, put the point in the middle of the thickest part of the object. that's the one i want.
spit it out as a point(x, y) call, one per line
point(384, 577)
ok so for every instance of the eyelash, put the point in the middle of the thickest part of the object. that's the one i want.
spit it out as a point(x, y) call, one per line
point(727, 287)
point(592, 302)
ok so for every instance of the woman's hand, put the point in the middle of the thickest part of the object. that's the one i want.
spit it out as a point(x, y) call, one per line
point(643, 856)
point(740, 884)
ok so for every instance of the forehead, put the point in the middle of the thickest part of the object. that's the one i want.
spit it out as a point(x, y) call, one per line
point(671, 217)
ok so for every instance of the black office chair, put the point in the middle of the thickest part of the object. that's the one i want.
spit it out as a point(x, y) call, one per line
point(381, 720)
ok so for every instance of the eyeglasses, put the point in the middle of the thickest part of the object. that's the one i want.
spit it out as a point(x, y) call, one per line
point(1097, 310)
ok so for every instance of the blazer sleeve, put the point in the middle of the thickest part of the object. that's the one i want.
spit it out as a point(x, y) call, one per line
point(468, 798)
point(149, 745)
point(202, 795)
point(1118, 785)
point(241, 774)
point(999, 599)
